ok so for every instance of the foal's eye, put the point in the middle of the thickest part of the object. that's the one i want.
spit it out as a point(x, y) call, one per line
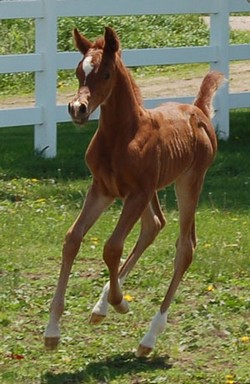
point(106, 75)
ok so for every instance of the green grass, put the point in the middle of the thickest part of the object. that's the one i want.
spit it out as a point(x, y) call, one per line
point(207, 337)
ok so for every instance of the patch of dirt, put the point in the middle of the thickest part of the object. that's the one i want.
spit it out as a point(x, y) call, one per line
point(240, 23)
point(239, 81)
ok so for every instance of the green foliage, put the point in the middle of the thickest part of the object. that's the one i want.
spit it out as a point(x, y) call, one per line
point(239, 37)
point(17, 36)
point(144, 31)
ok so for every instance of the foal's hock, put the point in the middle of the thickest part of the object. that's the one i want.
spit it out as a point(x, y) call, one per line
point(134, 153)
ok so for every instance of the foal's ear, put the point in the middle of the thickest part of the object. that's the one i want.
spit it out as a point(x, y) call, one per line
point(112, 43)
point(82, 44)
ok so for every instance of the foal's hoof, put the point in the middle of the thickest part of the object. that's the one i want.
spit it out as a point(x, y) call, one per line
point(143, 351)
point(123, 307)
point(96, 319)
point(51, 343)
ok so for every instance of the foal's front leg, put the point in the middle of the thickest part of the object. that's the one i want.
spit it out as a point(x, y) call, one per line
point(152, 221)
point(94, 205)
point(133, 208)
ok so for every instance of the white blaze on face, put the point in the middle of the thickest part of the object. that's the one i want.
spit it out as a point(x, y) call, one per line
point(77, 104)
point(87, 66)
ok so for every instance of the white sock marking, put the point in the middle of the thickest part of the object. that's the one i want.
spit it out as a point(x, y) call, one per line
point(101, 307)
point(157, 326)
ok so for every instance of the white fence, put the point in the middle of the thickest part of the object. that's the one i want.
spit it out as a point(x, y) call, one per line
point(46, 61)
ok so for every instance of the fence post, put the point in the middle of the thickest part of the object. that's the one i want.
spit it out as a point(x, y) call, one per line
point(219, 37)
point(46, 45)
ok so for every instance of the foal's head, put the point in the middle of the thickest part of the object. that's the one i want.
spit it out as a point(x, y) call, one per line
point(95, 72)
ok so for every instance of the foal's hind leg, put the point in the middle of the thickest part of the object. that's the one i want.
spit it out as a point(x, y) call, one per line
point(152, 221)
point(94, 205)
point(187, 192)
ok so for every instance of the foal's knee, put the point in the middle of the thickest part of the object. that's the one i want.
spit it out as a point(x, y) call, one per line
point(72, 243)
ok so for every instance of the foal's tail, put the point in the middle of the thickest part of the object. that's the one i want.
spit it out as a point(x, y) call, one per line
point(211, 82)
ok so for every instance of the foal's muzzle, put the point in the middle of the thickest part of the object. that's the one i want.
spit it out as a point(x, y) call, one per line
point(79, 107)
point(78, 111)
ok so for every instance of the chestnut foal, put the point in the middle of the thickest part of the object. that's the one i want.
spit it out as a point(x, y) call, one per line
point(134, 153)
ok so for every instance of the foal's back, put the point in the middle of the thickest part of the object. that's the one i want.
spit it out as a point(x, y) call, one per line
point(173, 139)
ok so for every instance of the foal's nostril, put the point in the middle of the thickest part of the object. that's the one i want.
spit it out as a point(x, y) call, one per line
point(83, 108)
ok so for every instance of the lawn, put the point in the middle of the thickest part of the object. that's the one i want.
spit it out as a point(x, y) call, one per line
point(207, 340)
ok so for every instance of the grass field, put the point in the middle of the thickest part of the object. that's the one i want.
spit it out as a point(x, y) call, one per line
point(207, 340)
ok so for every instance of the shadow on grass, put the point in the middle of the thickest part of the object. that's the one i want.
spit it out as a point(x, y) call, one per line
point(108, 369)
point(19, 159)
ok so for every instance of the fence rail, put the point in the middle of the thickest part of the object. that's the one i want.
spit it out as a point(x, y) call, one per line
point(46, 61)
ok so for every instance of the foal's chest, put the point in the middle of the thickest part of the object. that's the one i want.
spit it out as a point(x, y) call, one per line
point(109, 169)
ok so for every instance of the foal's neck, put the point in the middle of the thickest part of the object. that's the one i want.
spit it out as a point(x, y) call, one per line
point(124, 105)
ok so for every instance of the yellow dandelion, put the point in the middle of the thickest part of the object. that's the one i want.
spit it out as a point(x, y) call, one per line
point(128, 298)
point(207, 245)
point(245, 339)
point(210, 288)
point(230, 379)
point(34, 180)
point(94, 240)
point(66, 359)
point(60, 84)
point(40, 200)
